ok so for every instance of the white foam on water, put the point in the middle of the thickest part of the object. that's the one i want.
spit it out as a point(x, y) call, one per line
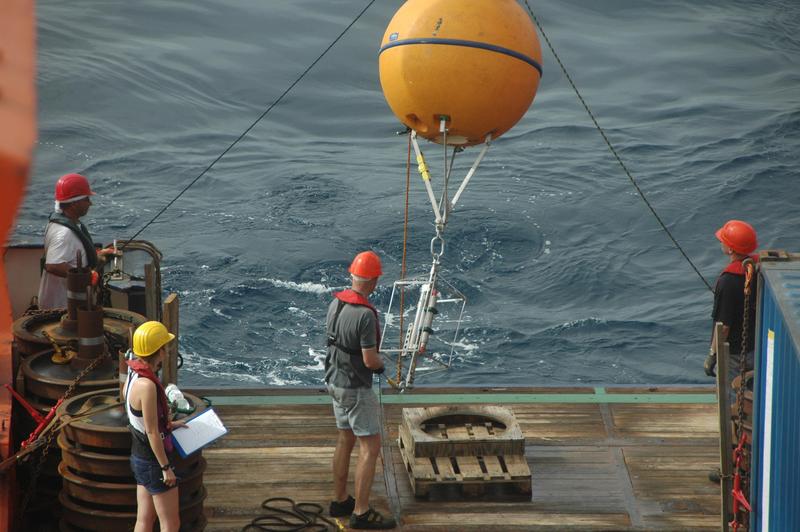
point(207, 291)
point(578, 323)
point(216, 369)
point(296, 311)
point(464, 346)
point(309, 288)
point(273, 378)
point(318, 358)
point(219, 312)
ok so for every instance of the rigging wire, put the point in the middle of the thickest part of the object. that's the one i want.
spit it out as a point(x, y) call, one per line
point(388, 467)
point(257, 120)
point(613, 150)
point(403, 263)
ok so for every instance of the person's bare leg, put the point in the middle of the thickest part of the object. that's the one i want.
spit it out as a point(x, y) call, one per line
point(369, 447)
point(145, 511)
point(341, 463)
point(167, 509)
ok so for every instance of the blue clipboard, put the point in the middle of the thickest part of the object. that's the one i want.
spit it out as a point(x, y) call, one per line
point(201, 430)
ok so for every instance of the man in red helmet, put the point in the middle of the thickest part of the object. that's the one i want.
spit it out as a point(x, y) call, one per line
point(738, 241)
point(353, 338)
point(65, 238)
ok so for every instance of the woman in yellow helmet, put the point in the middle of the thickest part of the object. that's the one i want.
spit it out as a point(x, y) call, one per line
point(150, 426)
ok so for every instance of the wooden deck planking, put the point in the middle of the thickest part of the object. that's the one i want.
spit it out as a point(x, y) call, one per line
point(634, 467)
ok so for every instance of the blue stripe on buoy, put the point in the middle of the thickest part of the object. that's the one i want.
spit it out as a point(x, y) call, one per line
point(469, 44)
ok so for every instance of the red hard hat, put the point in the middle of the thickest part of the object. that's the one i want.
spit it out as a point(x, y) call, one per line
point(366, 264)
point(71, 186)
point(739, 236)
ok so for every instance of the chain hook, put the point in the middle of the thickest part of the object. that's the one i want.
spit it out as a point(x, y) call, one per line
point(437, 255)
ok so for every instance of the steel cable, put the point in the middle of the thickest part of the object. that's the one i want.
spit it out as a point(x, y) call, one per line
point(613, 150)
point(256, 121)
point(388, 467)
point(403, 263)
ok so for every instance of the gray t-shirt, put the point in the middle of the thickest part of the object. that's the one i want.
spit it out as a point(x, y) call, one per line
point(355, 329)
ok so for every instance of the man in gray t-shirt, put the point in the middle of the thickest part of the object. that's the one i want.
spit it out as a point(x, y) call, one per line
point(356, 327)
point(353, 338)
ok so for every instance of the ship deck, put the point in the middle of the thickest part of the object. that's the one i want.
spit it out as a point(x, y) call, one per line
point(622, 458)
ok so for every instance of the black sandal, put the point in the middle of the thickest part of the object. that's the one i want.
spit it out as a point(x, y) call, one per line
point(372, 520)
point(342, 509)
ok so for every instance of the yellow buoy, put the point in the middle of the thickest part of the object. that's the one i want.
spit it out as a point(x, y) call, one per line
point(475, 62)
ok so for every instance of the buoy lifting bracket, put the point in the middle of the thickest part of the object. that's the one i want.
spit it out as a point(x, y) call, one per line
point(440, 215)
point(472, 170)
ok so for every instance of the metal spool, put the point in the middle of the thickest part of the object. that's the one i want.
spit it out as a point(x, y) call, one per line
point(29, 330)
point(99, 492)
point(107, 429)
point(89, 463)
point(46, 382)
point(79, 517)
point(96, 493)
point(101, 464)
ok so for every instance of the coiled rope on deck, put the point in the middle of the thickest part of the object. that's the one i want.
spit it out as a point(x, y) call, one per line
point(249, 128)
point(298, 516)
point(613, 150)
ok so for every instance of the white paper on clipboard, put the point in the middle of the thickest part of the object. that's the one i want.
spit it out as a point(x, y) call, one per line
point(201, 430)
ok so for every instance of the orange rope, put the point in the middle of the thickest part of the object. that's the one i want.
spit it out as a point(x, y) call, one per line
point(403, 264)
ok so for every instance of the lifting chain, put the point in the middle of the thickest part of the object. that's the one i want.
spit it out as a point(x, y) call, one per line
point(37, 469)
point(44, 314)
point(740, 456)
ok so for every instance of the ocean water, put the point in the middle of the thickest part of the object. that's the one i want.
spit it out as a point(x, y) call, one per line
point(569, 278)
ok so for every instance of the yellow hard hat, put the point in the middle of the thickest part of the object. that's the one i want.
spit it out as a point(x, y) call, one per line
point(150, 337)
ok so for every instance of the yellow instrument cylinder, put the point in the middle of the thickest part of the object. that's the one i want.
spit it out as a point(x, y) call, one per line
point(475, 62)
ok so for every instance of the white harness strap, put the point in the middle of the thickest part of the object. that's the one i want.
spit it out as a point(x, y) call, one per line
point(136, 422)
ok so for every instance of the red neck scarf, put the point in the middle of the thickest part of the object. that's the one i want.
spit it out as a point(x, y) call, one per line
point(144, 371)
point(736, 267)
point(354, 298)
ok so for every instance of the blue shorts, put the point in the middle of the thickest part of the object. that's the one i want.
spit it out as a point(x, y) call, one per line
point(356, 409)
point(148, 474)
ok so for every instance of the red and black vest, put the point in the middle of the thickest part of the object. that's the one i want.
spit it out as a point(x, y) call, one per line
point(80, 231)
point(162, 407)
point(737, 268)
point(351, 297)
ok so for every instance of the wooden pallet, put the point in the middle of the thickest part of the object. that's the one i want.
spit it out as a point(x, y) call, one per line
point(465, 455)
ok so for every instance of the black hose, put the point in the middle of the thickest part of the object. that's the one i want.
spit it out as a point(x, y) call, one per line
point(298, 516)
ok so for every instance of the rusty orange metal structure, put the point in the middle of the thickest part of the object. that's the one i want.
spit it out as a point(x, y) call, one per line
point(17, 137)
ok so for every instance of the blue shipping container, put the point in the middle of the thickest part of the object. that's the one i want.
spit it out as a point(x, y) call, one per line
point(775, 490)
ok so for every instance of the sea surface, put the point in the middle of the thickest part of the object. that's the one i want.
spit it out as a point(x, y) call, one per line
point(569, 278)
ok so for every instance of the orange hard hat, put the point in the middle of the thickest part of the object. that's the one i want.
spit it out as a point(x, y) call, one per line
point(366, 264)
point(71, 187)
point(739, 236)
